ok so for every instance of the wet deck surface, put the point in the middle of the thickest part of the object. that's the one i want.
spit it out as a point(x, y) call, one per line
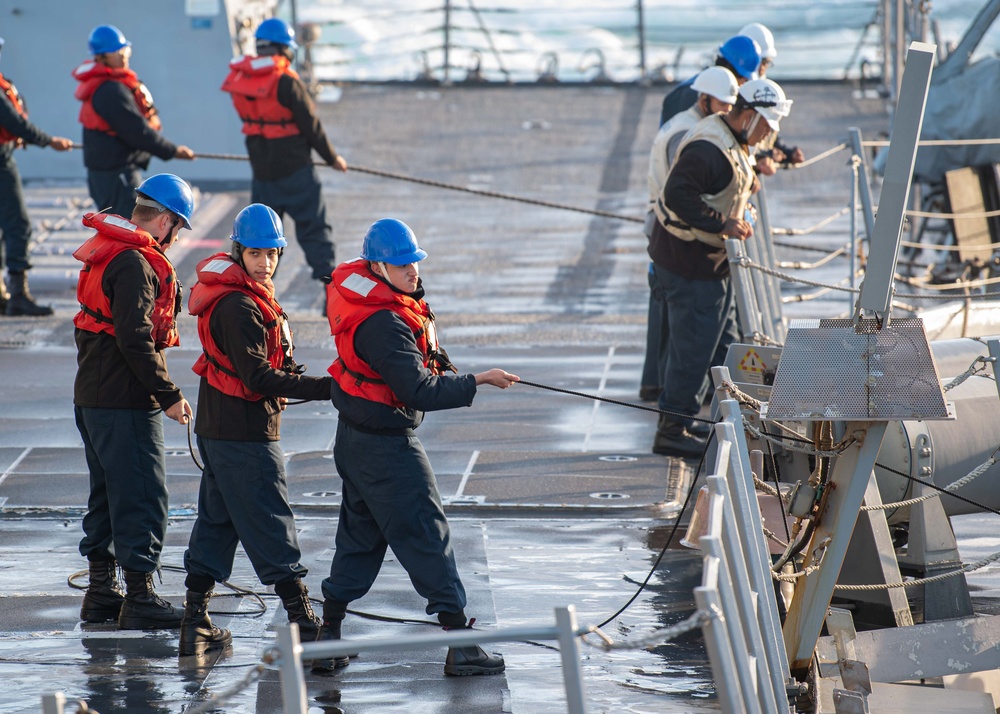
point(553, 499)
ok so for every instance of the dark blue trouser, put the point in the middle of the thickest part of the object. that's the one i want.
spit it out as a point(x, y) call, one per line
point(390, 498)
point(657, 333)
point(114, 191)
point(127, 507)
point(14, 221)
point(701, 327)
point(244, 499)
point(300, 196)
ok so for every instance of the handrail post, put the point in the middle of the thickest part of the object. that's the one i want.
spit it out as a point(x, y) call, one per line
point(864, 188)
point(749, 316)
point(853, 245)
point(447, 40)
point(291, 672)
point(642, 42)
point(569, 652)
point(771, 283)
point(53, 703)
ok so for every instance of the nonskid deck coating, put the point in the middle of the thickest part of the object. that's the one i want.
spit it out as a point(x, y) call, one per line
point(558, 297)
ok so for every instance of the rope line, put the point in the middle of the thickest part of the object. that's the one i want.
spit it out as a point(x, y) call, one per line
point(745, 262)
point(613, 401)
point(977, 367)
point(812, 229)
point(819, 157)
point(971, 567)
point(194, 457)
point(697, 619)
point(933, 246)
point(923, 283)
point(799, 265)
point(938, 142)
point(970, 214)
point(453, 187)
point(249, 679)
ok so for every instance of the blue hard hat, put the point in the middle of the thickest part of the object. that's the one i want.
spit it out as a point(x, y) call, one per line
point(278, 32)
point(106, 38)
point(391, 241)
point(257, 226)
point(743, 53)
point(171, 192)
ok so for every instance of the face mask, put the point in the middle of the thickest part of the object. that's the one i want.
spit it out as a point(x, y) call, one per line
point(745, 134)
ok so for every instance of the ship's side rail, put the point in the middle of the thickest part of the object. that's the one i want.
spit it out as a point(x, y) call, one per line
point(743, 635)
point(289, 653)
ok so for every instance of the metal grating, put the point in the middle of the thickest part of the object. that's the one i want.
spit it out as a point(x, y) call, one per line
point(838, 372)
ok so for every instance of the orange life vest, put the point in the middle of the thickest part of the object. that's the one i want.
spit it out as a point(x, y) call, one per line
point(253, 84)
point(355, 295)
point(218, 276)
point(116, 235)
point(15, 98)
point(92, 75)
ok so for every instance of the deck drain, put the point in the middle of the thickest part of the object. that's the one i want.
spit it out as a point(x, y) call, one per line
point(609, 496)
point(322, 494)
point(617, 458)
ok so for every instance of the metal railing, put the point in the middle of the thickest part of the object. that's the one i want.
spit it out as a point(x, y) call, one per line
point(637, 40)
point(290, 652)
point(743, 637)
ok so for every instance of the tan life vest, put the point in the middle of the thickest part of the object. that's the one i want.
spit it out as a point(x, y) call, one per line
point(659, 162)
point(730, 201)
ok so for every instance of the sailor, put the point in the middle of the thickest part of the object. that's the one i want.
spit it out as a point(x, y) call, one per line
point(282, 128)
point(16, 130)
point(247, 375)
point(121, 127)
point(389, 371)
point(770, 152)
point(703, 203)
point(739, 54)
point(129, 299)
point(716, 88)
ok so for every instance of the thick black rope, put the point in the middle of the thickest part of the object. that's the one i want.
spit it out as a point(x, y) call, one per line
point(670, 538)
point(939, 489)
point(201, 466)
point(687, 498)
point(451, 187)
point(631, 405)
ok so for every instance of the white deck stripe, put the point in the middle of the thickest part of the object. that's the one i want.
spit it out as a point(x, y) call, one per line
point(468, 472)
point(17, 462)
point(600, 392)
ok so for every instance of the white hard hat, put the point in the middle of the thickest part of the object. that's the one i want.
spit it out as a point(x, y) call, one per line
point(763, 37)
point(716, 82)
point(767, 98)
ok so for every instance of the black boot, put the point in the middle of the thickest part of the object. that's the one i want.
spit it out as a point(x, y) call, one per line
point(143, 608)
point(674, 439)
point(334, 612)
point(198, 634)
point(471, 660)
point(295, 597)
point(4, 295)
point(20, 301)
point(104, 597)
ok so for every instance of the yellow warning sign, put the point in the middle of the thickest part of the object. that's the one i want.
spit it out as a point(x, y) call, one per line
point(752, 363)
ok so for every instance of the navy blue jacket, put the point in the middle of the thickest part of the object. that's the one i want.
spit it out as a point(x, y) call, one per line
point(387, 345)
point(19, 127)
point(135, 141)
point(275, 159)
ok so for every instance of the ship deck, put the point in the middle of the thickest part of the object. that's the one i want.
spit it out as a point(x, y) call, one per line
point(554, 499)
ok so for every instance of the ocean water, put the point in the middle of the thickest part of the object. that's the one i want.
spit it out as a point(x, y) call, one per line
point(578, 40)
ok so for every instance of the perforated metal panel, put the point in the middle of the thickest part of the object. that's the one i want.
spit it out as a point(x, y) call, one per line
point(835, 371)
